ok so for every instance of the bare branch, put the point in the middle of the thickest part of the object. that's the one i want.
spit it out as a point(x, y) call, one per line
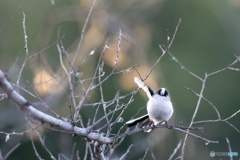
point(234, 114)
point(102, 132)
point(8, 134)
point(98, 151)
point(3, 97)
point(164, 51)
point(9, 20)
point(34, 148)
point(27, 57)
point(194, 115)
point(125, 154)
point(83, 31)
point(86, 151)
point(200, 97)
point(183, 67)
point(25, 34)
point(175, 150)
point(153, 156)
point(234, 69)
point(217, 120)
point(42, 140)
point(80, 103)
point(229, 147)
point(25, 47)
point(145, 154)
point(225, 68)
point(10, 152)
point(214, 107)
point(1, 157)
point(100, 70)
point(39, 117)
point(69, 78)
point(77, 154)
point(172, 127)
point(73, 150)
point(118, 50)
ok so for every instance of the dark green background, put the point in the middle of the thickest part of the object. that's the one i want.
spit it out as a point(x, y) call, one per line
point(207, 40)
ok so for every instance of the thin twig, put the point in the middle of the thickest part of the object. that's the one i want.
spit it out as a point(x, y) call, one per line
point(10, 152)
point(194, 115)
point(153, 156)
point(183, 67)
point(217, 120)
point(233, 115)
point(164, 51)
point(69, 78)
point(77, 155)
point(20, 133)
point(80, 103)
point(34, 148)
point(118, 50)
point(200, 95)
point(225, 68)
point(100, 70)
point(214, 107)
point(25, 34)
point(125, 154)
point(3, 97)
point(25, 47)
point(42, 141)
point(73, 150)
point(86, 151)
point(9, 20)
point(229, 148)
point(175, 150)
point(83, 32)
point(171, 127)
point(123, 109)
point(27, 54)
point(145, 154)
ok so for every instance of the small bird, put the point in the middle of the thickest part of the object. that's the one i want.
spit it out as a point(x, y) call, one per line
point(159, 107)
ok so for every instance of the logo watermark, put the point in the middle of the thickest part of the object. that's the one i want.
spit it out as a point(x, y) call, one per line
point(221, 154)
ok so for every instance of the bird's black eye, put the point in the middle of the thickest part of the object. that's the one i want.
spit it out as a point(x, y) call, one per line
point(163, 92)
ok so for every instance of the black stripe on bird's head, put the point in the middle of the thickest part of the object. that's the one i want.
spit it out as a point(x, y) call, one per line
point(162, 92)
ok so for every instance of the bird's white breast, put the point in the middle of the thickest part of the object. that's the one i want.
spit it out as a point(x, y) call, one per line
point(159, 108)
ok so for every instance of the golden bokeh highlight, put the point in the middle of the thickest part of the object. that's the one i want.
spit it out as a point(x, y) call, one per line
point(116, 55)
point(35, 132)
point(45, 83)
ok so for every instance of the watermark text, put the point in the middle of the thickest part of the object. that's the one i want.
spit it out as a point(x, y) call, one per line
point(221, 154)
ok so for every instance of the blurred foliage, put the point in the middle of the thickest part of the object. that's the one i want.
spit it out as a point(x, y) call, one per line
point(206, 41)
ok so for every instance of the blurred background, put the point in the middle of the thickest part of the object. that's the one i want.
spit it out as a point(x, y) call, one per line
point(207, 40)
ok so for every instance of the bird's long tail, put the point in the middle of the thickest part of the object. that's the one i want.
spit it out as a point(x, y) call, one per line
point(133, 122)
point(142, 85)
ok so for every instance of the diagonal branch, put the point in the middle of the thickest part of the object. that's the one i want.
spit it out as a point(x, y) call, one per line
point(164, 51)
point(83, 32)
point(39, 117)
point(194, 115)
point(171, 127)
